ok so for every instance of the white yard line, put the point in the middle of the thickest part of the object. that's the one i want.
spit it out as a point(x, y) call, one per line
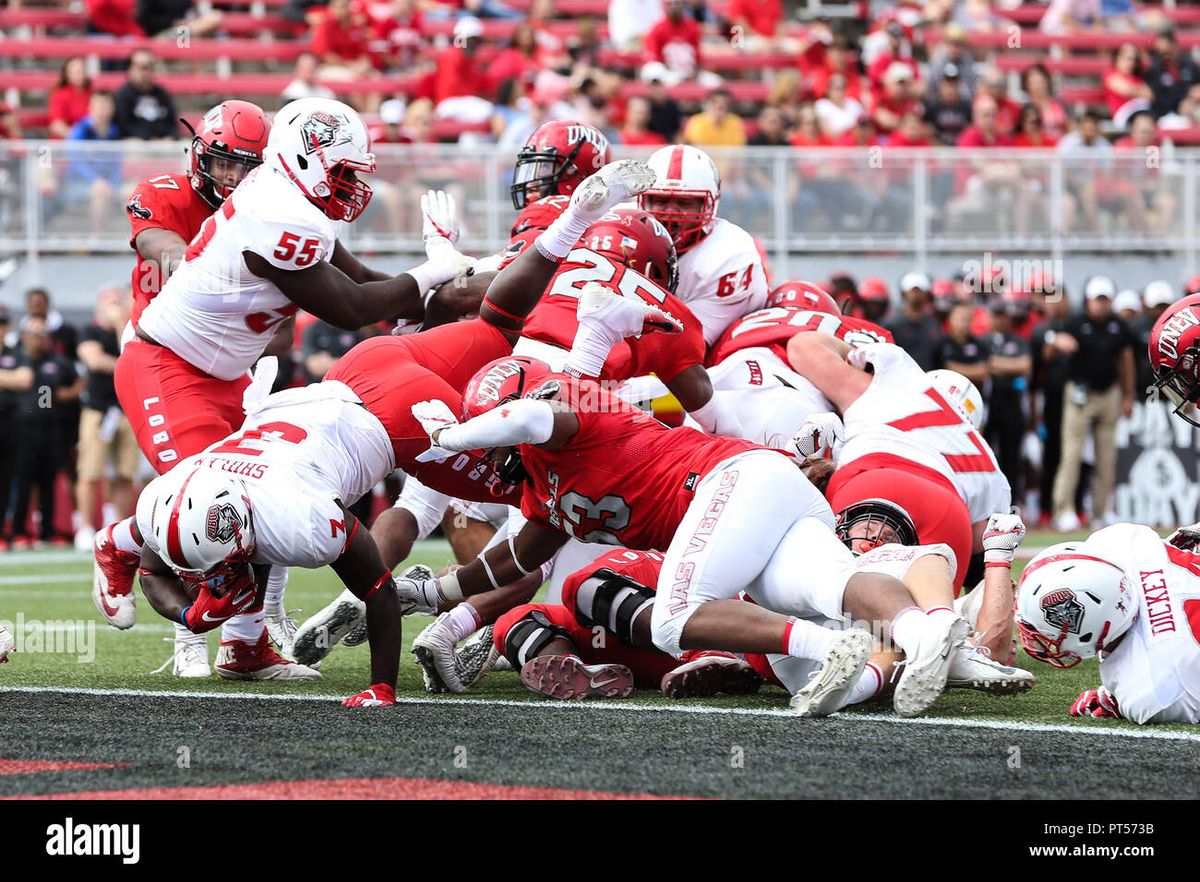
point(617, 707)
point(71, 578)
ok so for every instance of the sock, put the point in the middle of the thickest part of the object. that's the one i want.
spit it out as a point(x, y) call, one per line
point(590, 350)
point(868, 685)
point(941, 611)
point(181, 632)
point(463, 621)
point(247, 627)
point(123, 538)
point(805, 640)
point(276, 585)
point(907, 627)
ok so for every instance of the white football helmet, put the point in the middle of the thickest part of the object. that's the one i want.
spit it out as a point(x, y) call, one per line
point(321, 145)
point(1072, 604)
point(203, 522)
point(689, 173)
point(959, 391)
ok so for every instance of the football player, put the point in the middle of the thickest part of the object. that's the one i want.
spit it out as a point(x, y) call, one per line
point(721, 276)
point(1130, 598)
point(728, 514)
point(1175, 356)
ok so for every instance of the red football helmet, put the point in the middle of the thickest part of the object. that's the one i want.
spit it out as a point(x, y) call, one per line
point(870, 523)
point(1175, 356)
point(556, 159)
point(230, 142)
point(806, 295)
point(502, 380)
point(1192, 285)
point(636, 239)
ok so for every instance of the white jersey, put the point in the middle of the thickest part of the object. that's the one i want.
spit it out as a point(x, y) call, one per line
point(901, 414)
point(770, 399)
point(721, 278)
point(1154, 671)
point(213, 312)
point(299, 454)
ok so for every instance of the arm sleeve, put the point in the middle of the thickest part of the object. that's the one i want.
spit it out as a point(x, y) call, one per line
point(718, 419)
point(896, 560)
point(520, 422)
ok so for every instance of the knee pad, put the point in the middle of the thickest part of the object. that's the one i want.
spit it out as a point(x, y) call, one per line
point(611, 601)
point(529, 636)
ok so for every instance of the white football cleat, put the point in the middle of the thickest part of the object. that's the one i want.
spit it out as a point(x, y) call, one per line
point(617, 182)
point(972, 667)
point(238, 660)
point(434, 649)
point(829, 688)
point(112, 581)
point(6, 644)
point(190, 657)
point(623, 316)
point(281, 628)
point(566, 677)
point(478, 656)
point(318, 635)
point(927, 666)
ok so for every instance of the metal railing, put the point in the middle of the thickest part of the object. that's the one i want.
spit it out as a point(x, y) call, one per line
point(68, 197)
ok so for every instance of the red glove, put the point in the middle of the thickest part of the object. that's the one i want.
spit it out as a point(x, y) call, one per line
point(1096, 703)
point(208, 611)
point(379, 695)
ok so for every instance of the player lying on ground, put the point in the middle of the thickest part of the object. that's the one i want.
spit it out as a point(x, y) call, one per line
point(728, 515)
point(1131, 598)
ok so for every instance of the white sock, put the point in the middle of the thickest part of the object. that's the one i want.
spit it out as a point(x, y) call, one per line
point(941, 611)
point(247, 627)
point(868, 685)
point(182, 632)
point(593, 342)
point(122, 536)
point(276, 585)
point(907, 627)
point(463, 621)
point(807, 640)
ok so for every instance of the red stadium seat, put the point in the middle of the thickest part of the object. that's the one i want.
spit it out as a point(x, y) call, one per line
point(169, 50)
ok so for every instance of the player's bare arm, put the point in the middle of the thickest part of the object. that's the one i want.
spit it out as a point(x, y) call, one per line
point(344, 260)
point(162, 247)
point(821, 359)
point(457, 299)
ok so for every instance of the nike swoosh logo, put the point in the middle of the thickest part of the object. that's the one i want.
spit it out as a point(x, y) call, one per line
point(592, 682)
point(206, 617)
point(109, 611)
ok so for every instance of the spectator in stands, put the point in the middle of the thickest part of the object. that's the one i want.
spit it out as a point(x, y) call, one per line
point(960, 350)
point(1009, 365)
point(1172, 72)
point(911, 132)
point(94, 176)
point(896, 51)
point(786, 94)
point(674, 43)
point(489, 9)
point(41, 451)
point(1035, 83)
point(1088, 168)
point(519, 60)
point(716, 126)
point(630, 20)
point(1031, 133)
point(175, 18)
point(341, 40)
point(113, 17)
point(754, 24)
point(70, 98)
point(994, 83)
point(1099, 351)
point(585, 46)
point(10, 123)
point(595, 99)
point(1071, 16)
point(837, 112)
point(838, 59)
point(510, 104)
point(637, 131)
point(772, 130)
point(914, 329)
point(104, 432)
point(953, 51)
point(897, 98)
point(948, 114)
point(1125, 91)
point(396, 34)
point(144, 109)
point(305, 84)
point(461, 82)
point(807, 132)
point(1140, 186)
point(666, 116)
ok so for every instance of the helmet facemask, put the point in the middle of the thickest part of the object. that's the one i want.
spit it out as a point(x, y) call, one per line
point(866, 525)
point(542, 172)
point(687, 225)
point(215, 186)
point(1180, 384)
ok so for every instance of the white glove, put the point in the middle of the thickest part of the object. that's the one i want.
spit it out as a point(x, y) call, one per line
point(434, 415)
point(861, 337)
point(818, 435)
point(439, 216)
point(857, 357)
point(445, 260)
point(1001, 537)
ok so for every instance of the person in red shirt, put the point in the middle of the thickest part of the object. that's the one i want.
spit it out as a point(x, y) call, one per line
point(1144, 179)
point(984, 181)
point(1035, 83)
point(838, 60)
point(759, 17)
point(1031, 133)
point(396, 33)
point(637, 117)
point(69, 100)
point(911, 132)
point(895, 53)
point(675, 42)
point(1124, 89)
point(459, 73)
point(114, 17)
point(994, 84)
point(519, 61)
point(896, 99)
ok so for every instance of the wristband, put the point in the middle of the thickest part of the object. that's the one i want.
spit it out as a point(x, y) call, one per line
point(183, 616)
point(449, 588)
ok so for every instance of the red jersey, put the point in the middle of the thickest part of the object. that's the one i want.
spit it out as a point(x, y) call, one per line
point(164, 202)
point(535, 217)
point(554, 319)
point(774, 326)
point(624, 478)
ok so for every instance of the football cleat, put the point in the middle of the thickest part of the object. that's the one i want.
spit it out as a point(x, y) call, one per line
point(477, 657)
point(238, 660)
point(623, 316)
point(615, 183)
point(704, 673)
point(318, 635)
point(6, 644)
point(972, 667)
point(434, 649)
point(112, 581)
point(417, 590)
point(829, 688)
point(190, 657)
point(566, 677)
point(926, 667)
point(281, 628)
